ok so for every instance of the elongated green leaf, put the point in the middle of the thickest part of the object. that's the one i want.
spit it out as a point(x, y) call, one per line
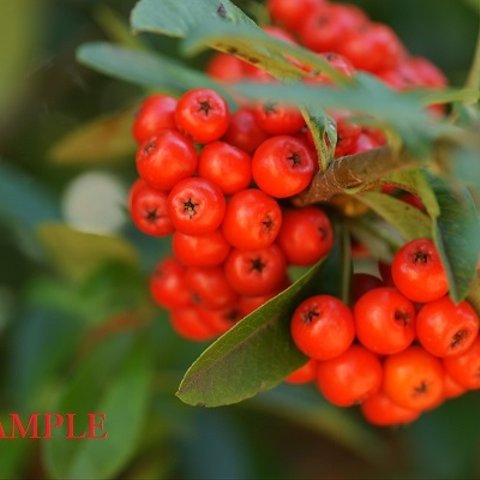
point(76, 254)
point(177, 17)
point(410, 222)
point(324, 134)
point(474, 294)
point(121, 394)
point(258, 352)
point(403, 112)
point(466, 95)
point(144, 68)
point(101, 140)
point(414, 181)
point(456, 233)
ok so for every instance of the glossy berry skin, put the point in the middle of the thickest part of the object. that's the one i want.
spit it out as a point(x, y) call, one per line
point(350, 378)
point(305, 374)
point(189, 325)
point(283, 166)
point(148, 209)
point(374, 48)
point(203, 114)
point(252, 220)
point(418, 273)
point(168, 286)
point(244, 132)
point(154, 159)
point(465, 368)
point(306, 235)
point(278, 119)
point(291, 13)
point(414, 379)
point(226, 68)
point(363, 283)
point(256, 272)
point(381, 411)
point(385, 321)
point(322, 327)
point(227, 166)
point(209, 250)
point(209, 287)
point(445, 329)
point(220, 321)
point(156, 113)
point(196, 206)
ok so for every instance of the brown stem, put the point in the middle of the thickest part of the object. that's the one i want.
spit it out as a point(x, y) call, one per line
point(355, 171)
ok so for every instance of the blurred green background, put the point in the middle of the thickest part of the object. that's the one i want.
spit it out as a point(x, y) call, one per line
point(77, 331)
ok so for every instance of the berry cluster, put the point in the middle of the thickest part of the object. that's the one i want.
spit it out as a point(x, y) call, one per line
point(402, 349)
point(219, 183)
point(214, 181)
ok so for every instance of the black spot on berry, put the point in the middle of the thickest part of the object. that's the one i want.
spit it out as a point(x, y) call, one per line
point(152, 216)
point(149, 147)
point(190, 207)
point(421, 256)
point(402, 317)
point(459, 338)
point(258, 265)
point(205, 107)
point(311, 315)
point(421, 388)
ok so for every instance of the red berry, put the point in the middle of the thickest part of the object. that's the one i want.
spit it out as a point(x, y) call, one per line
point(168, 286)
point(322, 327)
point(385, 321)
point(148, 209)
point(350, 378)
point(465, 368)
point(228, 167)
point(283, 166)
point(373, 48)
point(210, 287)
point(252, 220)
point(203, 114)
point(325, 29)
point(347, 137)
point(188, 323)
point(305, 374)
point(291, 13)
point(226, 68)
point(429, 75)
point(338, 62)
point(306, 235)
point(249, 304)
point(381, 411)
point(220, 321)
point(418, 272)
point(446, 329)
point(363, 283)
point(278, 119)
point(196, 206)
point(154, 159)
point(414, 379)
point(256, 272)
point(452, 389)
point(209, 250)
point(156, 113)
point(244, 132)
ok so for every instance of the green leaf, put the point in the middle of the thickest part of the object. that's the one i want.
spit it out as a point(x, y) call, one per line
point(414, 181)
point(473, 80)
point(177, 17)
point(451, 95)
point(76, 254)
point(401, 111)
point(120, 391)
point(102, 140)
point(258, 352)
point(144, 68)
point(456, 232)
point(474, 294)
point(410, 222)
point(324, 133)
